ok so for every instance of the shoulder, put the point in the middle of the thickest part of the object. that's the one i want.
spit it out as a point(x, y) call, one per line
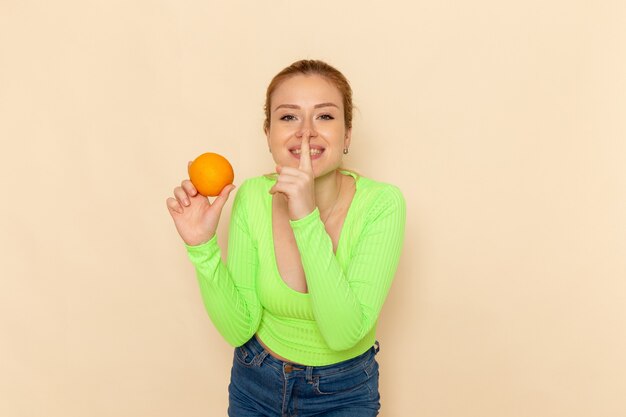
point(380, 195)
point(256, 184)
point(252, 190)
point(379, 207)
point(378, 202)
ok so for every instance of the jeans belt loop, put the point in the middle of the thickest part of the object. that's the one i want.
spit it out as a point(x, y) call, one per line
point(260, 358)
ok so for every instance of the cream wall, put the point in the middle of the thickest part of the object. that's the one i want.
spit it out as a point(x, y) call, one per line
point(502, 122)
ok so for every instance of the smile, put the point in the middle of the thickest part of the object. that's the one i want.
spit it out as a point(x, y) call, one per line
point(314, 151)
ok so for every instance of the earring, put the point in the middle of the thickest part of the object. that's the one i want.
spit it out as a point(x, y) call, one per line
point(345, 151)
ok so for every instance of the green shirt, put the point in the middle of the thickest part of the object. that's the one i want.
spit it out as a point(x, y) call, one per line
point(336, 319)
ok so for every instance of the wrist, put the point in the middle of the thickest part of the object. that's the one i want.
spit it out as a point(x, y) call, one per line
point(199, 240)
point(300, 211)
point(306, 219)
point(300, 214)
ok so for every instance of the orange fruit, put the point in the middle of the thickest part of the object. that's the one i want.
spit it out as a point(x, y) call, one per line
point(210, 173)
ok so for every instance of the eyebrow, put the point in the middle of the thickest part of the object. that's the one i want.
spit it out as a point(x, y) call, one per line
point(317, 106)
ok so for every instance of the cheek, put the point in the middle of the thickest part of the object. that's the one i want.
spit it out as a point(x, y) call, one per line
point(336, 133)
point(280, 131)
point(276, 141)
point(276, 135)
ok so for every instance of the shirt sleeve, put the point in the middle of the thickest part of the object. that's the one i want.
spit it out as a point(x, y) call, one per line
point(347, 301)
point(228, 290)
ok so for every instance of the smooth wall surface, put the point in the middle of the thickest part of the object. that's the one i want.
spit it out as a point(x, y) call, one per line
point(502, 122)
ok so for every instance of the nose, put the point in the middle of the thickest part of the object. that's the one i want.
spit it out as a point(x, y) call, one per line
point(306, 126)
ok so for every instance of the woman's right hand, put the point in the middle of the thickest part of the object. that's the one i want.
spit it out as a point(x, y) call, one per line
point(194, 216)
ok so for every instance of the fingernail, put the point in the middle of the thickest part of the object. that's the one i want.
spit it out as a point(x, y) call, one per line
point(186, 202)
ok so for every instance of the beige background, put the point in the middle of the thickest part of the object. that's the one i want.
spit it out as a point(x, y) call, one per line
point(502, 122)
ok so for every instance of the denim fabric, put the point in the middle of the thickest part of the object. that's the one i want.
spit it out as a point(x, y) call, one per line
point(262, 385)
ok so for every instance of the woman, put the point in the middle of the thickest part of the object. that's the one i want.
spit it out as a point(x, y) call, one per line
point(311, 255)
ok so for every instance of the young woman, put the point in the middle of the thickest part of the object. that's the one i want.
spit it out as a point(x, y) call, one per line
point(312, 252)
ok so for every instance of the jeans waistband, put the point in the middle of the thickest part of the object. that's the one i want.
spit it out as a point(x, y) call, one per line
point(262, 355)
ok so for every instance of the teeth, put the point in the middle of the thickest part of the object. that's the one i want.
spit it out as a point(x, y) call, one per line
point(311, 151)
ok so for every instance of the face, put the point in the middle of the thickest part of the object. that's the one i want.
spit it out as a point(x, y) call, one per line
point(308, 103)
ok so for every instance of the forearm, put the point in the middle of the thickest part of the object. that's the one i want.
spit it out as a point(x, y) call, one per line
point(347, 296)
point(232, 308)
point(337, 310)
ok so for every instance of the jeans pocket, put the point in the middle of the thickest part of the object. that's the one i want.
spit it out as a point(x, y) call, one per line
point(341, 382)
point(244, 356)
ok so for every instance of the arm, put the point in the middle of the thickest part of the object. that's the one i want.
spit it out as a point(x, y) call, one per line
point(346, 302)
point(228, 291)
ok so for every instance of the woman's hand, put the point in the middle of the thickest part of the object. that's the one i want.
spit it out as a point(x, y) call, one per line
point(195, 217)
point(298, 184)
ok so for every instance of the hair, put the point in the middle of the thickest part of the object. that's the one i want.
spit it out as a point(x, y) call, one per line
point(311, 67)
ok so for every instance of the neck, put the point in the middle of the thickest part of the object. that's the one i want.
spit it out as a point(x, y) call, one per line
point(327, 190)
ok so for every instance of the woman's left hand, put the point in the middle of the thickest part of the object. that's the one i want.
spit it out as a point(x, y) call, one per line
point(298, 184)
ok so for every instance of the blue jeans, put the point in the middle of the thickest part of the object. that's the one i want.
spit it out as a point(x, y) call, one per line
point(261, 385)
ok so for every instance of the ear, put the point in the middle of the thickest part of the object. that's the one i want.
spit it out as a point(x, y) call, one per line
point(346, 141)
point(267, 136)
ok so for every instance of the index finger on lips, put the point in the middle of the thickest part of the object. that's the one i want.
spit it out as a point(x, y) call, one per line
point(305, 155)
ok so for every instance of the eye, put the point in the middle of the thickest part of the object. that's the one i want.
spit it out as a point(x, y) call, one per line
point(326, 117)
point(288, 117)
